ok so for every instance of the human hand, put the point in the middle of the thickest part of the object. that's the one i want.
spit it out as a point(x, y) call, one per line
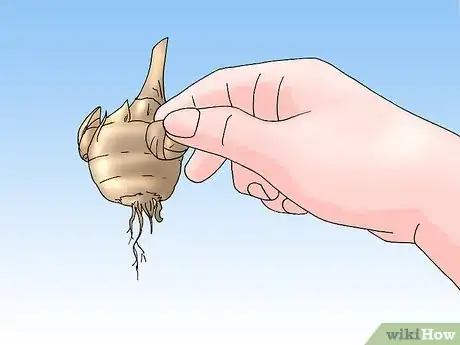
point(302, 135)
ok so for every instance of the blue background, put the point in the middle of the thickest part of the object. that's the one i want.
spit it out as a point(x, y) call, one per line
point(221, 269)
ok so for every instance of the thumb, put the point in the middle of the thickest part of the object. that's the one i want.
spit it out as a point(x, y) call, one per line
point(227, 132)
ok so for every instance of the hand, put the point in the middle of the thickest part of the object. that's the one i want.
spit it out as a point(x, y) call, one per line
point(302, 135)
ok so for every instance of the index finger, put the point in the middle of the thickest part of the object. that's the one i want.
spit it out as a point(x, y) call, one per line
point(232, 86)
point(206, 92)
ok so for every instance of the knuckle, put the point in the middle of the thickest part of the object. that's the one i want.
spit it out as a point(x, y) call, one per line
point(219, 72)
point(240, 182)
point(240, 186)
point(317, 62)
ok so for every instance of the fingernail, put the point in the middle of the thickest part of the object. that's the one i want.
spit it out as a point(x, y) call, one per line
point(257, 191)
point(182, 123)
point(292, 208)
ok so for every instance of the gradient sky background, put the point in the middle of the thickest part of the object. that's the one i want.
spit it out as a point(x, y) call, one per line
point(221, 268)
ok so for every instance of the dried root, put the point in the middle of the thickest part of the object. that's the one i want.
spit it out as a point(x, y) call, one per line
point(152, 209)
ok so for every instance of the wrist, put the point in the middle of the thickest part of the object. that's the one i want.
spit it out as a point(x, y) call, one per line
point(438, 232)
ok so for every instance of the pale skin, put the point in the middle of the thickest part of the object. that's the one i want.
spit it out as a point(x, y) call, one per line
point(304, 137)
